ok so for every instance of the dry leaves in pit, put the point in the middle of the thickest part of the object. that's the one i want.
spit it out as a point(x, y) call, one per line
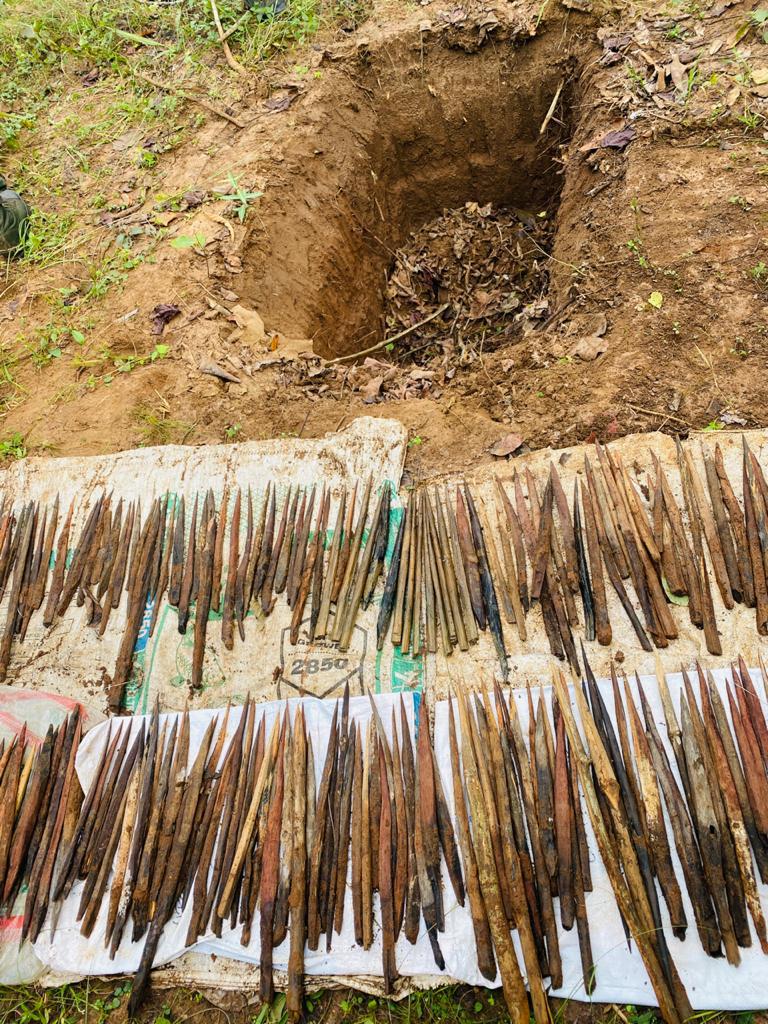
point(487, 265)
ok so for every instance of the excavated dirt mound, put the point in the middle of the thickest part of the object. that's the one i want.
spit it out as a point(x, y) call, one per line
point(641, 136)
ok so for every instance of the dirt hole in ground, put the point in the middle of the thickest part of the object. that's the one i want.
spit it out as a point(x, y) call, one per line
point(433, 157)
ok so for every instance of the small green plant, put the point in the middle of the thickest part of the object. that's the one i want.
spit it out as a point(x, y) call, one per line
point(713, 425)
point(124, 364)
point(147, 159)
point(231, 433)
point(274, 1013)
point(13, 447)
point(415, 441)
point(197, 240)
point(635, 246)
point(239, 196)
point(759, 272)
point(656, 300)
point(741, 202)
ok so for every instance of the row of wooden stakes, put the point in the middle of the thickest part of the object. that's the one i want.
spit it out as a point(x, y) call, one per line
point(453, 572)
point(242, 823)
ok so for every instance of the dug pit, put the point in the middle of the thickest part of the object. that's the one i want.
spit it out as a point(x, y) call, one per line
point(424, 127)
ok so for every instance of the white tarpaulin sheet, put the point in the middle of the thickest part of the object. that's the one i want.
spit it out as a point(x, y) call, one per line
point(70, 659)
point(620, 975)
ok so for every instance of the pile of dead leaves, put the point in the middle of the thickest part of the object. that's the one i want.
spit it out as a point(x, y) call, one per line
point(486, 266)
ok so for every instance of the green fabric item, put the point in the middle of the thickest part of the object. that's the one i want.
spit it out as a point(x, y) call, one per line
point(14, 214)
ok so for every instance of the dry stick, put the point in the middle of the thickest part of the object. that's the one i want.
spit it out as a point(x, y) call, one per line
point(357, 837)
point(391, 583)
point(755, 549)
point(227, 617)
point(709, 527)
point(512, 982)
point(346, 541)
point(627, 885)
point(495, 561)
point(709, 837)
point(203, 606)
point(399, 889)
point(165, 899)
point(389, 341)
point(685, 841)
point(356, 590)
point(439, 581)
point(720, 517)
point(443, 548)
point(654, 820)
point(714, 706)
point(297, 899)
point(389, 964)
point(682, 547)
point(584, 582)
point(707, 607)
point(417, 558)
point(523, 766)
point(567, 530)
point(236, 67)
point(736, 520)
point(345, 591)
point(413, 893)
point(520, 914)
point(594, 574)
point(321, 627)
point(754, 774)
point(366, 879)
point(317, 573)
point(282, 908)
point(461, 572)
point(592, 516)
point(165, 87)
point(218, 550)
point(517, 543)
point(402, 576)
point(734, 817)
point(268, 571)
point(318, 839)
point(250, 820)
point(483, 942)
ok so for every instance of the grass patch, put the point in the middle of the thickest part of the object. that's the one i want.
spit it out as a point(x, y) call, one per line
point(157, 426)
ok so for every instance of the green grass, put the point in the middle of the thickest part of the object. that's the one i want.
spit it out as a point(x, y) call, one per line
point(13, 447)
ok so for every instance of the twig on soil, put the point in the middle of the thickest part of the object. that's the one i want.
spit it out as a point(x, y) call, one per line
point(551, 112)
point(236, 67)
point(389, 341)
point(188, 96)
point(661, 415)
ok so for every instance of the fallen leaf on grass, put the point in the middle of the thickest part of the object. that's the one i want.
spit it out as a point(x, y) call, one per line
point(505, 445)
point(162, 314)
point(760, 76)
